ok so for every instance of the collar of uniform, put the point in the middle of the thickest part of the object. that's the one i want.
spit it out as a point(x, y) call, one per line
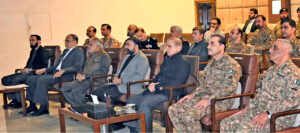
point(282, 67)
point(214, 62)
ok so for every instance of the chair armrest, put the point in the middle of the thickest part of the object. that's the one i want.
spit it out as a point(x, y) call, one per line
point(134, 82)
point(171, 89)
point(280, 114)
point(92, 79)
point(203, 62)
point(213, 109)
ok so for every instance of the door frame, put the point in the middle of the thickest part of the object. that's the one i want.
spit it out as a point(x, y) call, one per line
point(275, 18)
point(196, 2)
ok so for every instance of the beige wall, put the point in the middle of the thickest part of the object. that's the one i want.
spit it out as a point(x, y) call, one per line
point(17, 19)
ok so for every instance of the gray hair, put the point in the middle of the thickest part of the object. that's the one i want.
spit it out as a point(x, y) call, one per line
point(178, 29)
point(97, 42)
point(287, 43)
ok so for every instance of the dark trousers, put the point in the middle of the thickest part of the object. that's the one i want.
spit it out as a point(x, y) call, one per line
point(14, 79)
point(145, 103)
point(108, 90)
point(37, 91)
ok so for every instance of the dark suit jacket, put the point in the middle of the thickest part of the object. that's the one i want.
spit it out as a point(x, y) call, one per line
point(185, 46)
point(200, 49)
point(174, 70)
point(72, 64)
point(253, 28)
point(40, 60)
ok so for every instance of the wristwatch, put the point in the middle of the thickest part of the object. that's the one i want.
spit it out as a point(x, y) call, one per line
point(269, 114)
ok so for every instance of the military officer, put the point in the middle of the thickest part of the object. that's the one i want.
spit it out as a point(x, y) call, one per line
point(236, 45)
point(284, 14)
point(279, 92)
point(288, 28)
point(97, 63)
point(221, 79)
point(298, 24)
point(262, 40)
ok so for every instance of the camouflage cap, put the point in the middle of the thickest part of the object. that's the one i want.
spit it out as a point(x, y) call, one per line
point(283, 10)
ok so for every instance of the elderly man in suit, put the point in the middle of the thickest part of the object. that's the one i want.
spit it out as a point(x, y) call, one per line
point(199, 47)
point(134, 67)
point(176, 31)
point(70, 62)
point(97, 63)
point(250, 24)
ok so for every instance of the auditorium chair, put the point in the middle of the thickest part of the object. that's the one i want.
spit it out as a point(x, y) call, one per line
point(188, 37)
point(167, 35)
point(189, 86)
point(250, 69)
point(158, 36)
point(274, 116)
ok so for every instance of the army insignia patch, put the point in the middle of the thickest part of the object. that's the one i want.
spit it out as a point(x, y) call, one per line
point(234, 72)
point(297, 82)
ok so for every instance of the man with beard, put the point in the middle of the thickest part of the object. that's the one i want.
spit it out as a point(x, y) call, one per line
point(38, 59)
point(215, 24)
point(134, 67)
point(262, 40)
point(278, 91)
point(298, 24)
point(91, 33)
point(236, 45)
point(288, 28)
point(250, 24)
point(284, 14)
point(131, 30)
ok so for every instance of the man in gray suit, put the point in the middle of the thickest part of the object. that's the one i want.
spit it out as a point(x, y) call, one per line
point(199, 47)
point(70, 63)
point(134, 67)
point(97, 63)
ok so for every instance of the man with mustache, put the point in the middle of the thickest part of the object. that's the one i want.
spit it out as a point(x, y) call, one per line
point(90, 33)
point(134, 67)
point(288, 28)
point(262, 40)
point(250, 24)
point(38, 59)
point(284, 14)
point(298, 24)
point(278, 91)
point(221, 79)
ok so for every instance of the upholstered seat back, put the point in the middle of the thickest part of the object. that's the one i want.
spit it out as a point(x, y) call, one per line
point(116, 55)
point(296, 61)
point(155, 58)
point(54, 53)
point(158, 36)
point(250, 69)
point(194, 64)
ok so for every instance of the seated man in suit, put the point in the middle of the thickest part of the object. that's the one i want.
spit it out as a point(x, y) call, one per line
point(199, 47)
point(250, 24)
point(278, 91)
point(147, 42)
point(176, 31)
point(134, 67)
point(70, 63)
point(97, 63)
point(221, 79)
point(173, 71)
point(38, 59)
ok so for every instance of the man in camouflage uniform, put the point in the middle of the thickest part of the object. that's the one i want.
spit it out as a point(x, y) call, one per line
point(284, 14)
point(279, 92)
point(236, 44)
point(107, 40)
point(288, 28)
point(262, 40)
point(221, 79)
point(298, 24)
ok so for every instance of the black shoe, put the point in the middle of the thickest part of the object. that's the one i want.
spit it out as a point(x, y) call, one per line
point(12, 103)
point(30, 110)
point(17, 105)
point(40, 112)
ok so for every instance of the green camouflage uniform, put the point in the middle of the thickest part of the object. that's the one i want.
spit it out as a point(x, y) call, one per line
point(221, 80)
point(240, 47)
point(296, 47)
point(262, 39)
point(277, 30)
point(298, 29)
point(279, 92)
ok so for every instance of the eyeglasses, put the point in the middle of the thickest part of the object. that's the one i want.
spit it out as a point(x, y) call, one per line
point(214, 23)
point(68, 41)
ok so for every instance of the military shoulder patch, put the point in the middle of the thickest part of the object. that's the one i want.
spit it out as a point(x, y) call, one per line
point(234, 72)
point(297, 81)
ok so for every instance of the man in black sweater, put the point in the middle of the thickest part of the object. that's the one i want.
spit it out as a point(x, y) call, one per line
point(38, 59)
point(174, 71)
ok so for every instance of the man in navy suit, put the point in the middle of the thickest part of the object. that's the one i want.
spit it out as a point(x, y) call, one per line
point(250, 24)
point(69, 63)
